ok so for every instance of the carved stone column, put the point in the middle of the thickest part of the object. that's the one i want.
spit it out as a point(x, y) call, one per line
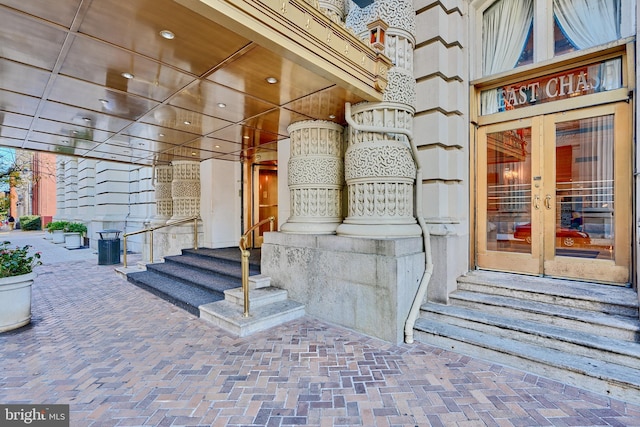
point(71, 188)
point(316, 177)
point(380, 175)
point(379, 168)
point(185, 188)
point(163, 195)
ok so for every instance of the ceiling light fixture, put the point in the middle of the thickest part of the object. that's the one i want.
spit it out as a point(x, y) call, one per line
point(272, 80)
point(193, 153)
point(221, 104)
point(332, 116)
point(103, 101)
point(187, 122)
point(246, 137)
point(86, 119)
point(216, 146)
point(127, 75)
point(161, 135)
point(166, 34)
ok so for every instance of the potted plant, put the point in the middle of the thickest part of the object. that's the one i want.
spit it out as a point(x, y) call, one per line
point(73, 233)
point(16, 278)
point(56, 228)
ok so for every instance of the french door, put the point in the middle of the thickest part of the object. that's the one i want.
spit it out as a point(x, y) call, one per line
point(554, 195)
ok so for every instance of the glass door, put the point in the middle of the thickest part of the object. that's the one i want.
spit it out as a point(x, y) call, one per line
point(587, 194)
point(509, 220)
point(554, 195)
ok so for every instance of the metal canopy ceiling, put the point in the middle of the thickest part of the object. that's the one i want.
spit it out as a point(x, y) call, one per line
point(201, 95)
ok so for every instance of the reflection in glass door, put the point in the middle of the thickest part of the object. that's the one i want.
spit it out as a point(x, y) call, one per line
point(265, 199)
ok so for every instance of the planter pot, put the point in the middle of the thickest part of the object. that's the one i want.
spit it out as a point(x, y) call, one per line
point(15, 301)
point(48, 235)
point(58, 236)
point(72, 240)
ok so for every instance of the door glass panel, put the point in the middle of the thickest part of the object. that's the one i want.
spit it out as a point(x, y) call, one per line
point(584, 188)
point(509, 191)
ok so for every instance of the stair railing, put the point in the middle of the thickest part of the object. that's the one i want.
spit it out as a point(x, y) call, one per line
point(150, 230)
point(245, 260)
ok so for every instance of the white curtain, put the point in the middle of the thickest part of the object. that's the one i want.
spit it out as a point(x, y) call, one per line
point(588, 23)
point(505, 27)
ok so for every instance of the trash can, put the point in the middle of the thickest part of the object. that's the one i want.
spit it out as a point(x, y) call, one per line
point(109, 247)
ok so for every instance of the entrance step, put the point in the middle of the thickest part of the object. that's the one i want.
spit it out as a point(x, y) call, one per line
point(586, 335)
point(269, 307)
point(196, 277)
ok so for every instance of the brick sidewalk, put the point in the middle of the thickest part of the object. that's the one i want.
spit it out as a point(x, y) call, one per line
point(122, 357)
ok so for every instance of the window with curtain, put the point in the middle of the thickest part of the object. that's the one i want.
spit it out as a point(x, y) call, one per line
point(580, 24)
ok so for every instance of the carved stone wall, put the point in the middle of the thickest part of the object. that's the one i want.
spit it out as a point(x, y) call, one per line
point(71, 188)
point(163, 195)
point(316, 177)
point(60, 189)
point(185, 188)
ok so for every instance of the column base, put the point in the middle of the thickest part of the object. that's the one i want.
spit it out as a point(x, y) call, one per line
point(379, 231)
point(309, 227)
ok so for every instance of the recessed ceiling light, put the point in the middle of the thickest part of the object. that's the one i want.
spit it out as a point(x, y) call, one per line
point(332, 116)
point(141, 143)
point(127, 75)
point(272, 80)
point(75, 132)
point(103, 101)
point(187, 122)
point(221, 104)
point(86, 119)
point(167, 34)
point(216, 146)
point(193, 153)
point(161, 135)
point(65, 141)
point(246, 137)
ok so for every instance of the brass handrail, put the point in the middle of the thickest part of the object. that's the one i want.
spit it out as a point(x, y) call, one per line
point(150, 230)
point(245, 261)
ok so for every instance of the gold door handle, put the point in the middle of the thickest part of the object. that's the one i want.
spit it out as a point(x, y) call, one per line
point(547, 201)
point(536, 202)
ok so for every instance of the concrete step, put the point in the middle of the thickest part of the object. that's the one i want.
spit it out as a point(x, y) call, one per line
point(612, 326)
point(229, 316)
point(605, 299)
point(621, 352)
point(182, 273)
point(184, 295)
point(257, 297)
point(600, 376)
point(206, 264)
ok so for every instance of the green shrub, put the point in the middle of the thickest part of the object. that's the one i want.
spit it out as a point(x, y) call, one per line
point(76, 227)
point(30, 222)
point(57, 225)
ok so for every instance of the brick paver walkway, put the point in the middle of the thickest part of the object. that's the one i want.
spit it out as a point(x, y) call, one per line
point(123, 357)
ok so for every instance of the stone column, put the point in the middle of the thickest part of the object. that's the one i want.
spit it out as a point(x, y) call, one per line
point(185, 188)
point(71, 189)
point(60, 188)
point(163, 195)
point(315, 177)
point(379, 168)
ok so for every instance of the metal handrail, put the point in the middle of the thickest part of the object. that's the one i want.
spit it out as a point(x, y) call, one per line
point(150, 230)
point(245, 261)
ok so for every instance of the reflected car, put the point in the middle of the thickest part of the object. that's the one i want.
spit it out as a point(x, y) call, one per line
point(566, 237)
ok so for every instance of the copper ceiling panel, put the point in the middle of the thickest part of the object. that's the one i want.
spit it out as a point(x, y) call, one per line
point(65, 145)
point(326, 104)
point(17, 103)
point(199, 44)
point(204, 97)
point(10, 142)
point(88, 95)
point(71, 130)
point(214, 146)
point(158, 133)
point(249, 72)
point(246, 136)
point(104, 64)
point(22, 78)
point(11, 132)
point(61, 12)
point(184, 120)
point(15, 120)
point(40, 49)
point(82, 117)
point(275, 121)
